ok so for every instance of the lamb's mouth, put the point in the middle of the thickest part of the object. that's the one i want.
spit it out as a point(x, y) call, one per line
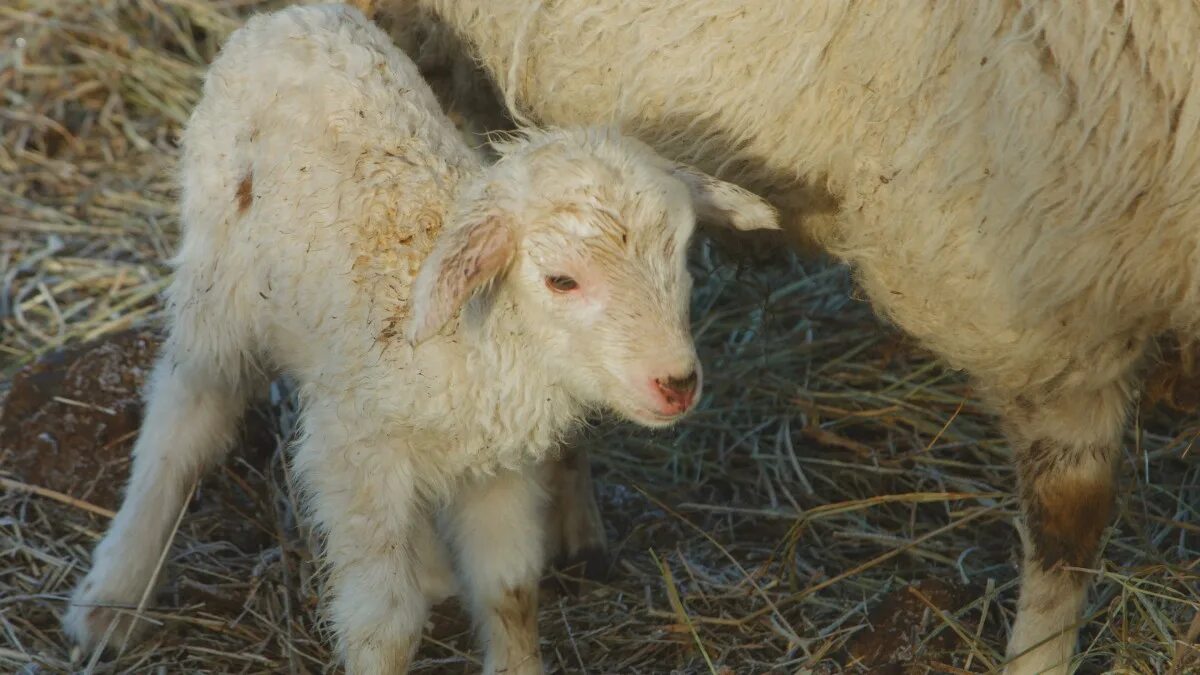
point(650, 418)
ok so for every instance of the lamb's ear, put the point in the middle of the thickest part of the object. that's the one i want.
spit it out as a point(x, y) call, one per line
point(726, 204)
point(462, 260)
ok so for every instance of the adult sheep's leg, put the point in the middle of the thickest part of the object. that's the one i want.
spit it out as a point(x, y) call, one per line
point(576, 531)
point(1067, 448)
point(363, 498)
point(498, 528)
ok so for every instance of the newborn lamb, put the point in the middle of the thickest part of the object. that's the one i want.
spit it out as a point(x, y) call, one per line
point(446, 322)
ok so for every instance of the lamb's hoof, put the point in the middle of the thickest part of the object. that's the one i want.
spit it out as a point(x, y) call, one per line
point(588, 564)
point(93, 619)
point(595, 563)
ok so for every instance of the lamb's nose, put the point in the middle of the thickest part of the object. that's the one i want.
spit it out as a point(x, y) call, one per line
point(677, 392)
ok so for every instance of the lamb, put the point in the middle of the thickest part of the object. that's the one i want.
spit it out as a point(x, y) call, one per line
point(1017, 185)
point(447, 323)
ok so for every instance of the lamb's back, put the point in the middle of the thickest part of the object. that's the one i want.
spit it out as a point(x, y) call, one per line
point(317, 170)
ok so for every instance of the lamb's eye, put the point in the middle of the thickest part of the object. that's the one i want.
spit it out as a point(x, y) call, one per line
point(561, 284)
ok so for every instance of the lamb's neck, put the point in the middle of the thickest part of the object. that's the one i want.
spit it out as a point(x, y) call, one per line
point(522, 401)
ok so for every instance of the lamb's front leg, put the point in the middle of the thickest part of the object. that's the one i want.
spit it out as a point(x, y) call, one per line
point(498, 528)
point(364, 499)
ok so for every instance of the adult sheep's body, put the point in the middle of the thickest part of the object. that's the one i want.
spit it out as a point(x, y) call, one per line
point(1016, 185)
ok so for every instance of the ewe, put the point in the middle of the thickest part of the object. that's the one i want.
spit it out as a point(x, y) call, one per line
point(1016, 184)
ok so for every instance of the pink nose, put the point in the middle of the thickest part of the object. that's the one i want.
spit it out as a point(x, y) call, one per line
point(676, 393)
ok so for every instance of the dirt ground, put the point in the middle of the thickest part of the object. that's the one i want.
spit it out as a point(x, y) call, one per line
point(68, 422)
point(840, 502)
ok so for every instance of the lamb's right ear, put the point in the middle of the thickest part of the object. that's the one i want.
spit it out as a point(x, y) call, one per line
point(463, 259)
point(724, 203)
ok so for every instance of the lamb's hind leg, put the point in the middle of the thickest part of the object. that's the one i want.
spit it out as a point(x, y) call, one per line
point(192, 411)
point(1066, 450)
point(498, 530)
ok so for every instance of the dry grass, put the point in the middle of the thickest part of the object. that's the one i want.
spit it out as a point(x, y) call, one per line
point(830, 464)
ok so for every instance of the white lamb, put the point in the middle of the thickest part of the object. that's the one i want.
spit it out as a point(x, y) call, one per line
point(1017, 184)
point(334, 225)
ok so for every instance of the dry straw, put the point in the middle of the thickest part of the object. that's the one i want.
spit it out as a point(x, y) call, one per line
point(830, 464)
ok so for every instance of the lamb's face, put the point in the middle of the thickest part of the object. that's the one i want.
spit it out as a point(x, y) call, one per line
point(584, 235)
point(601, 271)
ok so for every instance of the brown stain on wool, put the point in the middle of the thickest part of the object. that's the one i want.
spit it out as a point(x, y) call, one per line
point(245, 192)
point(1066, 513)
point(516, 611)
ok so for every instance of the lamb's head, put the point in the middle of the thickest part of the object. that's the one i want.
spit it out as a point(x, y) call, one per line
point(581, 239)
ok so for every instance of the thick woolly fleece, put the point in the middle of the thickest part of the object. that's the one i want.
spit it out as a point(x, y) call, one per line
point(1015, 184)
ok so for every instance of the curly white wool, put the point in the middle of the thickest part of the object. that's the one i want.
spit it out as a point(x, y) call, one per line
point(338, 229)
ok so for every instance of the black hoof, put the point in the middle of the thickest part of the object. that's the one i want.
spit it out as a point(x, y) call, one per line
point(589, 564)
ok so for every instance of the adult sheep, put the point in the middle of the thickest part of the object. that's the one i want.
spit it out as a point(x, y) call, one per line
point(1015, 184)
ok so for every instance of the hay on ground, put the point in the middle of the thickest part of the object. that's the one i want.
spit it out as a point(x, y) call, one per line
point(830, 465)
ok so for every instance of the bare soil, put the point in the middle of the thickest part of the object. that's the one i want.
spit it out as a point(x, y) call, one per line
point(69, 421)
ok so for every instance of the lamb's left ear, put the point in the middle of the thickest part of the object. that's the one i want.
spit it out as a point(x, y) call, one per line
point(462, 260)
point(726, 204)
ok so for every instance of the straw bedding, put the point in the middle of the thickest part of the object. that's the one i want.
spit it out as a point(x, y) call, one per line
point(777, 530)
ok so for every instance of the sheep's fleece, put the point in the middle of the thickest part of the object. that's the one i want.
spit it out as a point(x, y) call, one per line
point(447, 323)
point(1017, 184)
